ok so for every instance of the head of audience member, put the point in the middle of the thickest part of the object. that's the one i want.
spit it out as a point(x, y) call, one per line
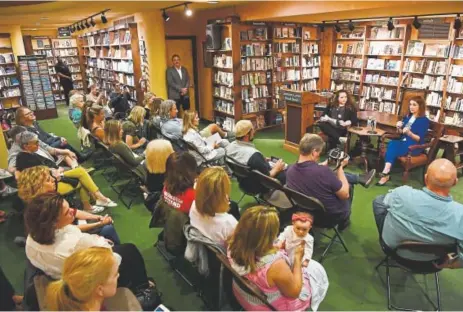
point(28, 141)
point(72, 92)
point(212, 192)
point(15, 131)
point(93, 114)
point(417, 106)
point(137, 115)
point(302, 223)
point(176, 60)
point(190, 121)
point(441, 176)
point(181, 172)
point(59, 60)
point(94, 89)
point(24, 116)
point(157, 153)
point(45, 214)
point(117, 87)
point(254, 236)
point(342, 98)
point(311, 147)
point(77, 101)
point(168, 109)
point(35, 181)
point(89, 276)
point(113, 132)
point(244, 131)
point(149, 102)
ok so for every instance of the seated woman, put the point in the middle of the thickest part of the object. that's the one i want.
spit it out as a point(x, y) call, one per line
point(133, 130)
point(53, 238)
point(157, 153)
point(75, 112)
point(27, 158)
point(95, 96)
point(212, 213)
point(113, 137)
point(151, 104)
point(178, 189)
point(38, 180)
point(252, 254)
point(89, 276)
point(412, 129)
point(339, 115)
point(191, 134)
point(93, 117)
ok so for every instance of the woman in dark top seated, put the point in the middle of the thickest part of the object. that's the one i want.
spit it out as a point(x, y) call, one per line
point(133, 130)
point(113, 137)
point(157, 153)
point(93, 118)
point(28, 158)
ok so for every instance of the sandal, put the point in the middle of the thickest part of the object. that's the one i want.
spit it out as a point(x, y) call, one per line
point(383, 176)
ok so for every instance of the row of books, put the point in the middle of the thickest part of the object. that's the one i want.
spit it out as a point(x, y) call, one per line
point(6, 58)
point(287, 32)
point(418, 48)
point(290, 47)
point(382, 64)
point(310, 85)
point(124, 66)
point(254, 106)
point(254, 64)
point(66, 52)
point(351, 48)
point(223, 78)
point(384, 48)
point(256, 78)
point(455, 120)
point(254, 34)
point(356, 34)
point(310, 61)
point(458, 52)
point(225, 106)
point(382, 79)
point(384, 33)
point(425, 66)
point(434, 99)
point(309, 48)
point(47, 53)
point(311, 73)
point(64, 43)
point(427, 82)
point(454, 103)
point(36, 84)
point(380, 93)
point(341, 74)
point(10, 92)
point(371, 105)
point(256, 49)
point(223, 92)
point(454, 85)
point(347, 61)
point(8, 82)
point(352, 87)
point(287, 75)
point(223, 61)
point(286, 61)
point(254, 92)
point(456, 70)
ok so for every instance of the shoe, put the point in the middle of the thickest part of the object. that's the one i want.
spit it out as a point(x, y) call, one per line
point(96, 209)
point(366, 179)
point(8, 191)
point(343, 140)
point(90, 170)
point(108, 203)
point(20, 241)
point(385, 177)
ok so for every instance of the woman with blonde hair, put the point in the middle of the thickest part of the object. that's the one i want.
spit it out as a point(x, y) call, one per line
point(133, 129)
point(89, 276)
point(93, 117)
point(151, 104)
point(191, 134)
point(212, 213)
point(157, 153)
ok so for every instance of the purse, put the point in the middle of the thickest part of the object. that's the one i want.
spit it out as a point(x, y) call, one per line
point(71, 181)
point(148, 296)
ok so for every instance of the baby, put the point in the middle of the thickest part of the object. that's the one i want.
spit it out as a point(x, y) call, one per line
point(294, 234)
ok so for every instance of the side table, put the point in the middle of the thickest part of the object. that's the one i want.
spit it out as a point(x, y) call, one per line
point(450, 144)
point(364, 134)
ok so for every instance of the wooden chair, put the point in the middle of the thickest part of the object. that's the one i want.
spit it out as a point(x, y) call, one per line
point(428, 154)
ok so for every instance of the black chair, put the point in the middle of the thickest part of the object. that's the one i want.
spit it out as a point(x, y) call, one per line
point(313, 205)
point(246, 179)
point(393, 260)
point(275, 187)
point(194, 150)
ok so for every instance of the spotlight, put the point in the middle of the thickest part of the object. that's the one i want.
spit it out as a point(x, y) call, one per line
point(351, 25)
point(188, 11)
point(457, 22)
point(71, 29)
point(104, 20)
point(390, 24)
point(87, 24)
point(78, 27)
point(337, 27)
point(82, 24)
point(165, 16)
point(416, 23)
point(322, 27)
point(92, 22)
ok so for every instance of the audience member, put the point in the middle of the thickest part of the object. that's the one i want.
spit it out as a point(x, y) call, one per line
point(8, 300)
point(133, 130)
point(93, 120)
point(413, 129)
point(212, 213)
point(38, 180)
point(151, 104)
point(157, 153)
point(167, 121)
point(119, 99)
point(113, 137)
point(53, 238)
point(317, 180)
point(179, 192)
point(89, 276)
point(75, 111)
point(95, 96)
point(429, 216)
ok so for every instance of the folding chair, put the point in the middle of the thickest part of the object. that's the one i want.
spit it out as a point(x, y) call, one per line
point(131, 188)
point(276, 195)
point(246, 179)
point(440, 251)
point(313, 205)
point(194, 150)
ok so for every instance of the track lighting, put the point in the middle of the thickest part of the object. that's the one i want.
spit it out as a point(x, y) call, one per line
point(322, 26)
point(351, 25)
point(165, 16)
point(82, 24)
point(87, 24)
point(78, 27)
point(104, 20)
point(390, 24)
point(337, 27)
point(457, 22)
point(92, 22)
point(188, 11)
point(416, 23)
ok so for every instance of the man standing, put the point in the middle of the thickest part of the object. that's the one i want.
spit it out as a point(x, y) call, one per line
point(178, 82)
point(65, 78)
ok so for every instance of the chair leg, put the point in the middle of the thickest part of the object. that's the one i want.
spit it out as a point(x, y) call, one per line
point(341, 239)
point(436, 276)
point(242, 196)
point(405, 176)
point(380, 264)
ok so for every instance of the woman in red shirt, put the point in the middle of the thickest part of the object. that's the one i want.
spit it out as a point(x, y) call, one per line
point(181, 172)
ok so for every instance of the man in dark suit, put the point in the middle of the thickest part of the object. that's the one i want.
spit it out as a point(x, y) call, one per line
point(178, 82)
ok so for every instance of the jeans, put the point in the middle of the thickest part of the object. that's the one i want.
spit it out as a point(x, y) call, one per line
point(333, 133)
point(109, 232)
point(86, 183)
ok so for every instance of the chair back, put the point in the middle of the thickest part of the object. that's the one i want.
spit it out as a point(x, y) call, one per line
point(239, 170)
point(194, 150)
point(247, 180)
point(303, 201)
point(435, 132)
point(267, 181)
point(433, 249)
point(244, 284)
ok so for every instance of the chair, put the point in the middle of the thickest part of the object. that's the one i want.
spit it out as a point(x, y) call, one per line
point(428, 154)
point(313, 205)
point(194, 150)
point(246, 179)
point(440, 251)
point(277, 196)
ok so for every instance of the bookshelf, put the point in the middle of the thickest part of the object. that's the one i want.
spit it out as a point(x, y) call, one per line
point(10, 86)
point(113, 54)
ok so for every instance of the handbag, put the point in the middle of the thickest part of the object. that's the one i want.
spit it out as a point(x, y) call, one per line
point(71, 181)
point(148, 296)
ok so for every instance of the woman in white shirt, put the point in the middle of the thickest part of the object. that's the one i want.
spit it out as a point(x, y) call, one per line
point(210, 211)
point(52, 238)
point(211, 151)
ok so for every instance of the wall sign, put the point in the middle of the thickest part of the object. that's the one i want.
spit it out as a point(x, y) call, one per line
point(64, 32)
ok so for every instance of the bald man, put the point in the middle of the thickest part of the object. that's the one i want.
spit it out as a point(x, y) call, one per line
point(429, 215)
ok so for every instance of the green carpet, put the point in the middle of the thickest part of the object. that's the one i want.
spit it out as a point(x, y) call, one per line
point(354, 283)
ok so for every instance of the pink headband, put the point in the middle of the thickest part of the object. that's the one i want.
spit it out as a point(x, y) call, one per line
point(302, 218)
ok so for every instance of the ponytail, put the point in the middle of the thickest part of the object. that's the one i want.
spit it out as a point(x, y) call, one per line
point(58, 297)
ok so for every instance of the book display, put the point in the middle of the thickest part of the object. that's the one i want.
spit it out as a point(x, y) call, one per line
point(113, 55)
point(36, 83)
point(10, 87)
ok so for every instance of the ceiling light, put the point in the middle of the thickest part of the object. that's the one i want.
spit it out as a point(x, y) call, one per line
point(322, 27)
point(457, 22)
point(337, 27)
point(212, 2)
point(92, 22)
point(188, 11)
point(78, 27)
point(82, 25)
point(351, 25)
point(72, 28)
point(165, 16)
point(390, 24)
point(416, 23)
point(87, 24)
point(104, 20)
point(43, 18)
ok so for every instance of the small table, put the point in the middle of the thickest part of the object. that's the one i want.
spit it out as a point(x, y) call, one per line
point(364, 134)
point(386, 120)
point(450, 151)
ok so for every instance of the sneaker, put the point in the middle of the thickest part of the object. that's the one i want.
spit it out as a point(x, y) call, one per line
point(20, 241)
point(108, 203)
point(366, 179)
point(8, 191)
point(343, 140)
point(96, 209)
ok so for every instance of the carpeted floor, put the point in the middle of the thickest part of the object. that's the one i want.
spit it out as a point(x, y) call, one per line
point(354, 283)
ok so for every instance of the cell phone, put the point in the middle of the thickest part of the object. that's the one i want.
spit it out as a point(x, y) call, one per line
point(274, 159)
point(161, 307)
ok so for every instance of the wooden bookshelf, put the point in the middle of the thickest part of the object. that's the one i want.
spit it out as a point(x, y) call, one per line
point(10, 86)
point(110, 55)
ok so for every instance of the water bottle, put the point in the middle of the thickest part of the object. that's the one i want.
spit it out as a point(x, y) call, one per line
point(369, 123)
point(373, 125)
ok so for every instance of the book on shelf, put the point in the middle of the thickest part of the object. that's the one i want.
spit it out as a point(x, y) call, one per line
point(256, 64)
point(414, 66)
point(457, 52)
point(306, 35)
point(223, 92)
point(456, 120)
point(310, 61)
point(356, 34)
point(440, 50)
point(127, 37)
point(427, 82)
point(223, 78)
point(352, 87)
point(415, 48)
point(456, 70)
point(286, 61)
point(384, 48)
point(286, 47)
point(454, 85)
point(226, 44)
point(382, 64)
point(434, 99)
point(287, 75)
point(253, 92)
point(454, 103)
point(222, 61)
point(310, 85)
point(339, 48)
point(384, 33)
point(309, 48)
point(256, 78)
point(256, 49)
point(224, 106)
point(64, 43)
point(254, 106)
point(341, 74)
point(6, 58)
point(347, 61)
point(436, 67)
point(375, 92)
